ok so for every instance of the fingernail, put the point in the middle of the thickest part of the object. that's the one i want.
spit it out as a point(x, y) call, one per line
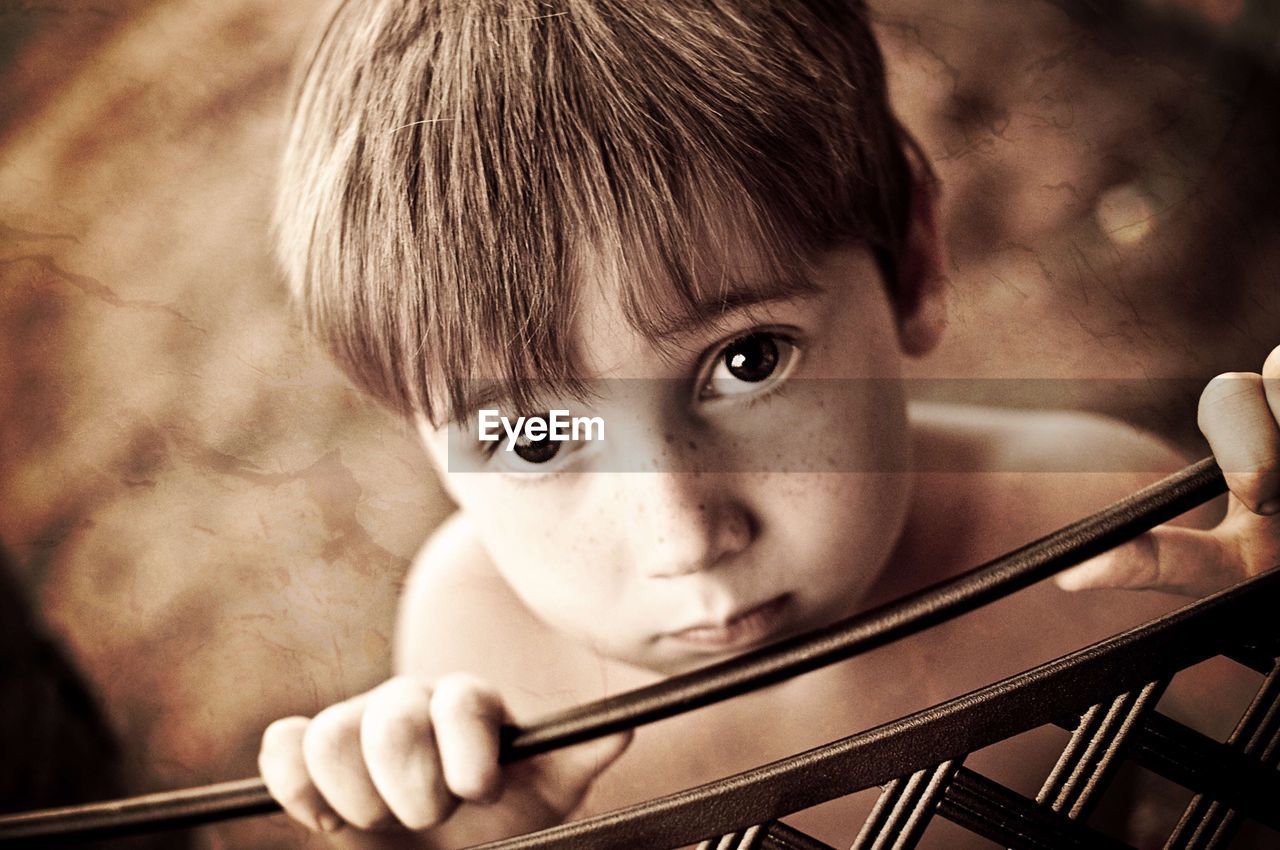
point(330, 822)
point(1269, 507)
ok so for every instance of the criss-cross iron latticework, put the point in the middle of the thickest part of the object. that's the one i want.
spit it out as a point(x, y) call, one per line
point(1107, 695)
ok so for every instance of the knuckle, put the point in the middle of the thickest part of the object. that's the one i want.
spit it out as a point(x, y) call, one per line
point(294, 795)
point(281, 736)
point(325, 735)
point(473, 785)
point(280, 762)
point(399, 718)
point(290, 785)
point(430, 804)
point(1226, 388)
point(462, 694)
point(393, 733)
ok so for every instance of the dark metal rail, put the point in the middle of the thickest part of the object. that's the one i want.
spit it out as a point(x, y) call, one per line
point(926, 748)
point(858, 634)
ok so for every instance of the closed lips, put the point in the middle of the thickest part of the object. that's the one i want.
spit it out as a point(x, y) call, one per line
point(748, 627)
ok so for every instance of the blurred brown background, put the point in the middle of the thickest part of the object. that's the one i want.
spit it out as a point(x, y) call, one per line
point(216, 527)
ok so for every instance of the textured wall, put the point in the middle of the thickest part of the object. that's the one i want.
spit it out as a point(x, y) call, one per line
point(217, 526)
point(211, 519)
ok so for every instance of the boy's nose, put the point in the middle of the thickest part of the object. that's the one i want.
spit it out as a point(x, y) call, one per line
point(686, 522)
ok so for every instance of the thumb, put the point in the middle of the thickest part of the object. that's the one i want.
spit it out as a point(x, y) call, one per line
point(1169, 558)
point(563, 778)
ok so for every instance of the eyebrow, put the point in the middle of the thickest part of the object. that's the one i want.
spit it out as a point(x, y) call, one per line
point(711, 309)
point(706, 311)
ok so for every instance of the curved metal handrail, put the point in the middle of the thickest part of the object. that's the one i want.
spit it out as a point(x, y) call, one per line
point(948, 730)
point(845, 639)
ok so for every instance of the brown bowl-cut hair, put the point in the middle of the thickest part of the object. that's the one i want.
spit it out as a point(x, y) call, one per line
point(451, 162)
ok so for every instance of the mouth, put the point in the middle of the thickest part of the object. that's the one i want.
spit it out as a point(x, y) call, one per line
point(741, 630)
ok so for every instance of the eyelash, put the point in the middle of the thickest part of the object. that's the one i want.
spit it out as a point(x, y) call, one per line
point(775, 382)
point(744, 400)
point(528, 475)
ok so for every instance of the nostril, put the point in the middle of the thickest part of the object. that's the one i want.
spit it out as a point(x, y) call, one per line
point(707, 536)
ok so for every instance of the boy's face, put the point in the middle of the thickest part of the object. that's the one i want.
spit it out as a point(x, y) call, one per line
point(751, 484)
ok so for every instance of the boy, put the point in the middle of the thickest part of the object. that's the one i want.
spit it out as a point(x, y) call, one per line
point(700, 224)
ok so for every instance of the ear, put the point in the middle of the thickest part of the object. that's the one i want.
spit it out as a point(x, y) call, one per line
point(921, 305)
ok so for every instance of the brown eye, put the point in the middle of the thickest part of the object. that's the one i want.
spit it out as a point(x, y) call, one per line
point(536, 451)
point(752, 358)
point(750, 365)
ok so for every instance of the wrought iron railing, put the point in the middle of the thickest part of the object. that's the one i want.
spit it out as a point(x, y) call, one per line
point(1107, 693)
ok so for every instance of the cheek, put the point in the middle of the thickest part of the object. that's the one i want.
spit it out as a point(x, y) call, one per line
point(844, 523)
point(839, 426)
point(554, 558)
point(840, 519)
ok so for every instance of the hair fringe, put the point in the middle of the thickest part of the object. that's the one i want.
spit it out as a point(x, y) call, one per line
point(455, 169)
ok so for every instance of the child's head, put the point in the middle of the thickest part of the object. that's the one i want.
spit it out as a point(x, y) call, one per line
point(511, 199)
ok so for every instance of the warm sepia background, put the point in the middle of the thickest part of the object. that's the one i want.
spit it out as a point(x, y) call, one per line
point(216, 527)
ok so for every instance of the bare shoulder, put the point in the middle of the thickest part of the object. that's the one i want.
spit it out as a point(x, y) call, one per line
point(993, 480)
point(457, 613)
point(1015, 440)
point(1032, 471)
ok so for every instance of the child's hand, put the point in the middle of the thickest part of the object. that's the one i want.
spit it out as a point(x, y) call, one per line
point(409, 754)
point(1239, 415)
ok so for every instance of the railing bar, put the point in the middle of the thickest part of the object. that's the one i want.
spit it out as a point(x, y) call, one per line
point(922, 812)
point(752, 837)
point(1094, 750)
point(727, 841)
point(989, 821)
point(1217, 826)
point(1203, 765)
point(1260, 720)
point(780, 836)
point(1071, 754)
point(880, 812)
point(958, 726)
point(911, 791)
point(1105, 760)
point(1091, 737)
point(913, 613)
point(1207, 823)
point(995, 812)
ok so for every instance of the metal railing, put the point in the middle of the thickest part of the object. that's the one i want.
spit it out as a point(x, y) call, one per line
point(1107, 693)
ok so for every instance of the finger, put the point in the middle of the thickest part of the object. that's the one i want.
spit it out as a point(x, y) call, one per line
point(1240, 425)
point(400, 750)
point(565, 777)
point(331, 749)
point(281, 766)
point(467, 714)
point(1271, 386)
point(1179, 560)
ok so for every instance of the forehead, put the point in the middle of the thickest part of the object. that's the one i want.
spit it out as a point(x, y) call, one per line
point(630, 307)
point(630, 303)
